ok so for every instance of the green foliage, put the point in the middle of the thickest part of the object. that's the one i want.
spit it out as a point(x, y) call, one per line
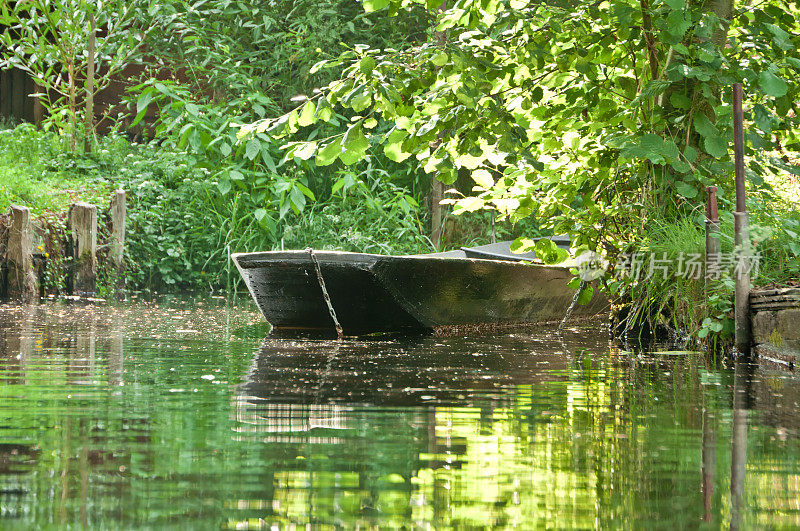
point(181, 227)
point(596, 118)
point(366, 213)
point(30, 164)
point(50, 40)
point(267, 46)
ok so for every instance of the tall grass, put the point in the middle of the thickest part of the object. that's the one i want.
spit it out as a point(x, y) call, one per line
point(692, 307)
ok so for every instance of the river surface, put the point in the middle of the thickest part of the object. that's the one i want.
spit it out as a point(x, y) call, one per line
point(179, 414)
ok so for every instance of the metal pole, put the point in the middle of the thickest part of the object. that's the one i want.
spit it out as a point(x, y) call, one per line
point(741, 232)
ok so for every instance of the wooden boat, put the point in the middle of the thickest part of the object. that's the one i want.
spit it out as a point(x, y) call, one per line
point(375, 293)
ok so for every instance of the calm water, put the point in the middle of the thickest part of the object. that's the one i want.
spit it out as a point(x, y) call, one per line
point(180, 415)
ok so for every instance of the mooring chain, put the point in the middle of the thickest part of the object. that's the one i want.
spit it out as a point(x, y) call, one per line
point(339, 333)
point(571, 308)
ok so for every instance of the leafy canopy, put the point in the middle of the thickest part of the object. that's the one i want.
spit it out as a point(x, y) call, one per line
point(591, 116)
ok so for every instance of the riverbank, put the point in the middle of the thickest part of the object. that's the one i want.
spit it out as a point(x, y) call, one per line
point(183, 225)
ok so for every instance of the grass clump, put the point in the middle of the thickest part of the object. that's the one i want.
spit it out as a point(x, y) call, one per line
point(687, 305)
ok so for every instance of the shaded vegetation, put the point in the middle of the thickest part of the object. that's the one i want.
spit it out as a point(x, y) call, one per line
point(604, 121)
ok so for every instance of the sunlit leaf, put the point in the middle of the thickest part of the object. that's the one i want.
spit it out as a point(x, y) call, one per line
point(329, 153)
point(307, 114)
point(483, 178)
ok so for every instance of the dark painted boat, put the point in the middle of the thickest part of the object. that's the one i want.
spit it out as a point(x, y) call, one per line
point(376, 293)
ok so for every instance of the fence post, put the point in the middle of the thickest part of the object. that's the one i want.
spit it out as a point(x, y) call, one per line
point(21, 278)
point(713, 258)
point(82, 220)
point(117, 243)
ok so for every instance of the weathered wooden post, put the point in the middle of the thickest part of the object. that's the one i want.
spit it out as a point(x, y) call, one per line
point(709, 459)
point(741, 232)
point(82, 221)
point(713, 258)
point(117, 243)
point(19, 255)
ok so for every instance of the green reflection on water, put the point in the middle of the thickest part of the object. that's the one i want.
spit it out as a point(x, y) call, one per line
point(176, 415)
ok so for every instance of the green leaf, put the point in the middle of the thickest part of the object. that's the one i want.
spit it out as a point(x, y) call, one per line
point(782, 39)
point(252, 148)
point(266, 156)
point(716, 146)
point(468, 204)
point(143, 101)
point(259, 214)
point(394, 146)
point(680, 166)
point(319, 64)
point(483, 178)
point(549, 253)
point(350, 157)
point(440, 59)
point(366, 65)
point(224, 185)
point(329, 153)
point(670, 150)
point(680, 101)
point(361, 102)
point(649, 146)
point(653, 88)
point(354, 140)
point(522, 245)
point(763, 118)
point(772, 85)
point(704, 126)
point(306, 151)
point(374, 5)
point(306, 191)
point(324, 110)
point(307, 114)
point(686, 190)
point(225, 149)
point(298, 199)
point(586, 295)
point(678, 23)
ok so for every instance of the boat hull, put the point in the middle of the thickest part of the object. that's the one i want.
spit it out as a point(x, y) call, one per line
point(375, 293)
